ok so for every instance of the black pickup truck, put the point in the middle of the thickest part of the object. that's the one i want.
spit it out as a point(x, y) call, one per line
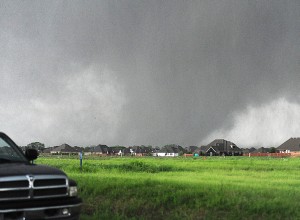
point(29, 191)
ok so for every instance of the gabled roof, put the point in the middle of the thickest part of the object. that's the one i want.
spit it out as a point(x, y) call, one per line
point(141, 149)
point(100, 148)
point(218, 142)
point(170, 149)
point(216, 149)
point(220, 145)
point(292, 144)
point(64, 148)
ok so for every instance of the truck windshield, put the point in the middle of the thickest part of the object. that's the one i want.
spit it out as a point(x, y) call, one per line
point(10, 153)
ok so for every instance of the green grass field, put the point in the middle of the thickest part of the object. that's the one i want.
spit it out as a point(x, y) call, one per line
point(185, 188)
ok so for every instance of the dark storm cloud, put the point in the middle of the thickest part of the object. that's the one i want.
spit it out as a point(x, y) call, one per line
point(144, 72)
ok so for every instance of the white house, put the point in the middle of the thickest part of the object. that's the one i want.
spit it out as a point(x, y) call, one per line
point(167, 151)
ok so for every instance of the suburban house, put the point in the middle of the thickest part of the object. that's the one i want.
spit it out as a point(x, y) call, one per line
point(292, 145)
point(140, 150)
point(125, 152)
point(101, 150)
point(65, 149)
point(220, 147)
point(169, 151)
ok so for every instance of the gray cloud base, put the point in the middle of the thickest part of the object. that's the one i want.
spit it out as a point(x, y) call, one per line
point(175, 70)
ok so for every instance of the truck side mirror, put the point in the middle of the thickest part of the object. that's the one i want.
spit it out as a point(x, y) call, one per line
point(31, 154)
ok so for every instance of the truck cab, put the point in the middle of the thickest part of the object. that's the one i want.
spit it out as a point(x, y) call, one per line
point(29, 191)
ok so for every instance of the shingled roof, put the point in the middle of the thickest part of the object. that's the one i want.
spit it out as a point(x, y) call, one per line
point(222, 145)
point(64, 148)
point(292, 144)
point(100, 149)
point(169, 149)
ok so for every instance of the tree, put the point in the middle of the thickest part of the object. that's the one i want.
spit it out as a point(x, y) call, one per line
point(36, 145)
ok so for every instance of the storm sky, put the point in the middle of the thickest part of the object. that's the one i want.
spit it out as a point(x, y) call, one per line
point(133, 72)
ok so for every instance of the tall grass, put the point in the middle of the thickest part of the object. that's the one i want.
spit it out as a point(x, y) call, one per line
point(186, 188)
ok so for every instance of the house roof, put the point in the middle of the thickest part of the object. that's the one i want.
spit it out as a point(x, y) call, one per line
point(292, 144)
point(100, 148)
point(141, 149)
point(170, 149)
point(220, 145)
point(218, 142)
point(64, 148)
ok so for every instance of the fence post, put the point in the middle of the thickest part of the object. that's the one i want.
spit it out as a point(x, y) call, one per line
point(80, 158)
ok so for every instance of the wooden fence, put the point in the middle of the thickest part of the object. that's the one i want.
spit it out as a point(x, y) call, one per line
point(267, 154)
